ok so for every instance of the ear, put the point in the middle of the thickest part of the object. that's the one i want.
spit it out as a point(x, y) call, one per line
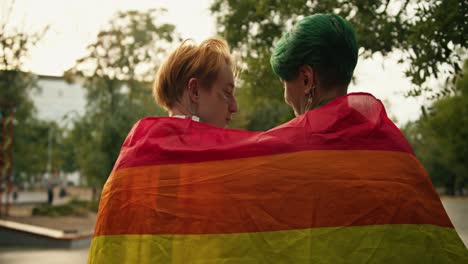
point(307, 75)
point(193, 90)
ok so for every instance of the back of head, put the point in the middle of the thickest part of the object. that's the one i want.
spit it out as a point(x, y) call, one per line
point(326, 42)
point(203, 62)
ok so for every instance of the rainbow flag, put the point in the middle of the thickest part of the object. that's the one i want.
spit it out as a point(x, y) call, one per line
point(339, 184)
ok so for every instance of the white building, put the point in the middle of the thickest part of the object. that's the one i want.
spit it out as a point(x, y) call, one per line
point(56, 100)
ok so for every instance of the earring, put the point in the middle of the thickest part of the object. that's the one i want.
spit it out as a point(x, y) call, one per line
point(310, 99)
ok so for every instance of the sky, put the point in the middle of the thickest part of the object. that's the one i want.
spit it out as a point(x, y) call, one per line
point(75, 24)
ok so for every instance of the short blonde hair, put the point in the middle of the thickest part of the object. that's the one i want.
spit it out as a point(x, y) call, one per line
point(203, 62)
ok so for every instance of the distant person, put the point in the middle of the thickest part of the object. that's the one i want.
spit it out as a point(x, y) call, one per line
point(15, 193)
point(63, 192)
point(50, 194)
point(93, 193)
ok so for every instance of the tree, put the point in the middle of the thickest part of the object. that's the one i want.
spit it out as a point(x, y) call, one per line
point(117, 72)
point(430, 34)
point(260, 97)
point(439, 137)
point(30, 155)
point(15, 85)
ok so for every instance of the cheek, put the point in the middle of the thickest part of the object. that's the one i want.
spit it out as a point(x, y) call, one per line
point(220, 100)
point(294, 92)
point(214, 103)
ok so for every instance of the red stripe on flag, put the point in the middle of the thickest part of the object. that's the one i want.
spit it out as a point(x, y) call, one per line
point(352, 122)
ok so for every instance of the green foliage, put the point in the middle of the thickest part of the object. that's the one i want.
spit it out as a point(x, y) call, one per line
point(430, 34)
point(260, 97)
point(15, 84)
point(74, 207)
point(116, 74)
point(30, 152)
point(439, 137)
point(30, 149)
point(15, 87)
point(128, 49)
point(15, 103)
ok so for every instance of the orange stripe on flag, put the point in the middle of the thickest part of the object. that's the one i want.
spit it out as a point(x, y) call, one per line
point(265, 193)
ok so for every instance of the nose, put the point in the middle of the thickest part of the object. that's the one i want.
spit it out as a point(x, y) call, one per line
point(233, 108)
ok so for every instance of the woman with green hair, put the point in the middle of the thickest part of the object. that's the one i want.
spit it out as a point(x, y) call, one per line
point(315, 61)
point(352, 154)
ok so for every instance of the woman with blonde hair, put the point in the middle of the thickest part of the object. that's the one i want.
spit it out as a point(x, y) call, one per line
point(195, 84)
point(197, 81)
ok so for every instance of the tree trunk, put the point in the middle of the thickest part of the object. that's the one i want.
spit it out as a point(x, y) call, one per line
point(2, 155)
point(8, 157)
point(6, 153)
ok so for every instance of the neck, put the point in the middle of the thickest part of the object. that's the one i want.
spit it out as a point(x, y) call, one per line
point(322, 97)
point(180, 109)
point(174, 112)
point(183, 107)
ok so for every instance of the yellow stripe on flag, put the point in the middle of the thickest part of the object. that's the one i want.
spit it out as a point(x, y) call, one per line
point(357, 244)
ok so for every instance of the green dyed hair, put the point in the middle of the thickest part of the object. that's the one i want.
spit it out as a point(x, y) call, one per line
point(326, 42)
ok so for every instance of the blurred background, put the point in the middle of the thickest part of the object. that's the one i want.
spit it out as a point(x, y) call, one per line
point(76, 75)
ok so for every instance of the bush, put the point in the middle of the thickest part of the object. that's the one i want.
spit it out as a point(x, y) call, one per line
point(74, 207)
